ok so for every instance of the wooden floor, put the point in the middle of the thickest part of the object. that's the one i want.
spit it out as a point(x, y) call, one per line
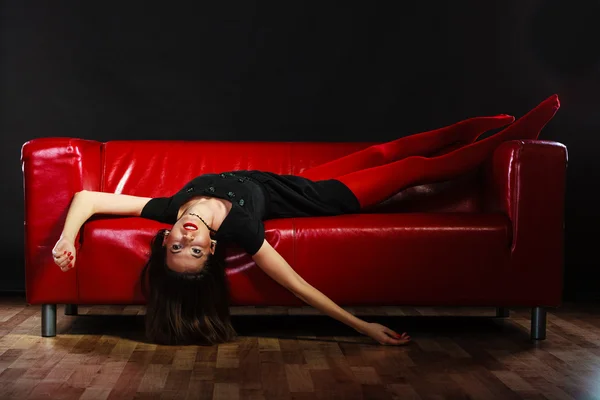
point(298, 353)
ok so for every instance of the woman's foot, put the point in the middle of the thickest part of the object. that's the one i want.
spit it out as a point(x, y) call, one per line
point(467, 131)
point(470, 129)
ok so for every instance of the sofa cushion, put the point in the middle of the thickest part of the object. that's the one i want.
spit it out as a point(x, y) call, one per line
point(160, 168)
point(412, 258)
point(378, 259)
point(156, 168)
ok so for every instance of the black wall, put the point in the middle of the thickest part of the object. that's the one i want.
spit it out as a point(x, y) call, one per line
point(292, 71)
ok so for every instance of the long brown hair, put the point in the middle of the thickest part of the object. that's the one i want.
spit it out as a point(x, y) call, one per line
point(184, 308)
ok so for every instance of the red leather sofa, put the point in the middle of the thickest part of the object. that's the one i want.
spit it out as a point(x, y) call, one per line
point(493, 237)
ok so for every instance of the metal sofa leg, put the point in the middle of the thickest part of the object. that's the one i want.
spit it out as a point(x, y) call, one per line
point(48, 320)
point(70, 309)
point(538, 323)
point(502, 312)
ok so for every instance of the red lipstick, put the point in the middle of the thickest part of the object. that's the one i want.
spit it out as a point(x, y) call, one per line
point(190, 226)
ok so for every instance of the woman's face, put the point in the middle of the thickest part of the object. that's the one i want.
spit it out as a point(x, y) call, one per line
point(188, 244)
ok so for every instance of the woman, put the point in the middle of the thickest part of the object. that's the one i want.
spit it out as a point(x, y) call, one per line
point(187, 292)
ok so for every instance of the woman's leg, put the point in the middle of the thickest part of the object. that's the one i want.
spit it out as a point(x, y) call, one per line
point(376, 184)
point(424, 143)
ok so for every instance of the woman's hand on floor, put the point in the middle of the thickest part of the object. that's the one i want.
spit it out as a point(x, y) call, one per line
point(384, 335)
point(63, 254)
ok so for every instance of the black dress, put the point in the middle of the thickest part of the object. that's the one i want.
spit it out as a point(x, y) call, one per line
point(257, 196)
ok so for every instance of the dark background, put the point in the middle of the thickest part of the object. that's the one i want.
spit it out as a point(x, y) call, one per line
point(291, 71)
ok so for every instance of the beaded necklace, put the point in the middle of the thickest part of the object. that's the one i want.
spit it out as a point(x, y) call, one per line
point(209, 228)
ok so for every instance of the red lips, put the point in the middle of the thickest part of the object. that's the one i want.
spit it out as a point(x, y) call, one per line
point(190, 227)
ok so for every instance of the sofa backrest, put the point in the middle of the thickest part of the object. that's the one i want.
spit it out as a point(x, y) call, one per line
point(156, 168)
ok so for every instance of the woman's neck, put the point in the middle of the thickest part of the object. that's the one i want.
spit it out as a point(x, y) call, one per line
point(212, 211)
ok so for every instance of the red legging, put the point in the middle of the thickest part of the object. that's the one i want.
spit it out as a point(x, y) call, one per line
point(380, 171)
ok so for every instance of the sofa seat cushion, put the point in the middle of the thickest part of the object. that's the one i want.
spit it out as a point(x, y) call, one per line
point(379, 259)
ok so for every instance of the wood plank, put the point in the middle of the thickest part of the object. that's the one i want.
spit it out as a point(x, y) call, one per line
point(478, 360)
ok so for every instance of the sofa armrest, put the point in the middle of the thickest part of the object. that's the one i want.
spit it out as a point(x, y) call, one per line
point(54, 169)
point(526, 179)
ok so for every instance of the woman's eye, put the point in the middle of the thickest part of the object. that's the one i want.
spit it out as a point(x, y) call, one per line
point(196, 251)
point(175, 247)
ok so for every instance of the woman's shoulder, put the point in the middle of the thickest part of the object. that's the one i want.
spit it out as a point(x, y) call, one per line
point(242, 228)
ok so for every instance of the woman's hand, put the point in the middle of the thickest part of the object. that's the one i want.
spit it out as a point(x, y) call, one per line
point(384, 335)
point(64, 254)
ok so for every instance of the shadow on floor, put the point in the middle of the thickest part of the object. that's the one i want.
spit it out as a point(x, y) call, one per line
point(290, 327)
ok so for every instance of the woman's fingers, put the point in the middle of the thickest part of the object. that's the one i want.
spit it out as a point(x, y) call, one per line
point(68, 261)
point(394, 334)
point(397, 338)
point(65, 261)
point(64, 255)
point(58, 260)
point(396, 341)
point(60, 255)
point(66, 267)
point(63, 258)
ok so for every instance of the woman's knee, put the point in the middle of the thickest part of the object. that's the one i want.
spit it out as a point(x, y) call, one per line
point(416, 161)
point(380, 154)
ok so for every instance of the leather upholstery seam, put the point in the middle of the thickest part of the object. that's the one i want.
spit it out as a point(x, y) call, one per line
point(515, 197)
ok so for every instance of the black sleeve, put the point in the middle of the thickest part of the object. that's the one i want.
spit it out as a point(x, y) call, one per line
point(158, 209)
point(250, 236)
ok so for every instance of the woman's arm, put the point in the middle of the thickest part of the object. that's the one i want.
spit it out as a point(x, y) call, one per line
point(87, 203)
point(274, 265)
point(84, 205)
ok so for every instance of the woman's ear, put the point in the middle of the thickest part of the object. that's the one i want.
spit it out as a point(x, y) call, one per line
point(213, 244)
point(165, 237)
